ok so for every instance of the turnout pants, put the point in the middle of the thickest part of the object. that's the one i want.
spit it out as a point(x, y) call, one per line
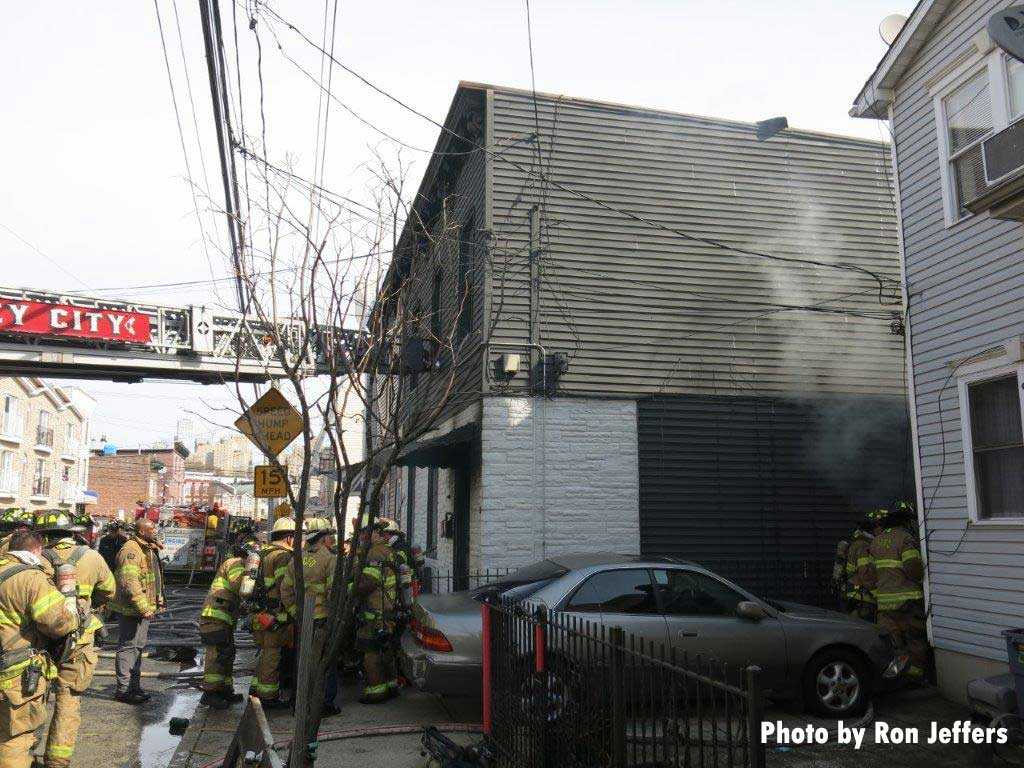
point(131, 639)
point(266, 683)
point(908, 628)
point(73, 679)
point(379, 667)
point(219, 663)
point(20, 716)
point(861, 609)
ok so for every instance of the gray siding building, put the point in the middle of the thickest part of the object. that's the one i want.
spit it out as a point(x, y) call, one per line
point(679, 339)
point(947, 92)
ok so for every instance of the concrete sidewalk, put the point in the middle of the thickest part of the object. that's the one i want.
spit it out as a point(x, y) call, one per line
point(210, 731)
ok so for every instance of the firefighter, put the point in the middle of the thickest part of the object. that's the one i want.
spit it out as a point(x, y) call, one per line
point(377, 594)
point(217, 621)
point(860, 594)
point(318, 563)
point(139, 597)
point(37, 614)
point(270, 628)
point(898, 576)
point(96, 585)
point(14, 520)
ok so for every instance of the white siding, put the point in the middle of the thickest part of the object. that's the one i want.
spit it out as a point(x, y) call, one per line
point(966, 289)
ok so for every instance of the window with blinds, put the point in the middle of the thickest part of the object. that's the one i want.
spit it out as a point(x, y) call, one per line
point(997, 442)
point(968, 113)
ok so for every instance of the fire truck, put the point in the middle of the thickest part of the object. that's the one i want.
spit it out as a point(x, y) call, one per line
point(194, 537)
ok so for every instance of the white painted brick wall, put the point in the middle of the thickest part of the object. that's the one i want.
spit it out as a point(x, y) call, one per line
point(558, 476)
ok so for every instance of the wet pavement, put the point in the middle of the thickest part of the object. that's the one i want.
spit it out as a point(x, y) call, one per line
point(116, 735)
point(211, 731)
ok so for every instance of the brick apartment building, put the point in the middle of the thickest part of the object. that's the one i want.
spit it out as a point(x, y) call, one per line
point(122, 478)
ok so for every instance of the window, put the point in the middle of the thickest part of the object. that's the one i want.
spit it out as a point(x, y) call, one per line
point(997, 448)
point(981, 97)
point(687, 593)
point(467, 257)
point(621, 591)
point(12, 423)
point(431, 509)
point(410, 499)
point(41, 480)
point(968, 112)
point(1015, 86)
point(8, 477)
point(44, 435)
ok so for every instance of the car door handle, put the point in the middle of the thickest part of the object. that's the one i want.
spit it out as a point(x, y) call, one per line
point(687, 633)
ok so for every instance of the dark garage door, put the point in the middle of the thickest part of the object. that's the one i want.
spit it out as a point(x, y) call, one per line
point(762, 489)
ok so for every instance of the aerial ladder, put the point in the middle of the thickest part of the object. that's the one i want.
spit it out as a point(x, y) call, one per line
point(64, 335)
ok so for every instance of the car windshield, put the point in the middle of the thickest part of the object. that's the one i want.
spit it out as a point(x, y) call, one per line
point(525, 581)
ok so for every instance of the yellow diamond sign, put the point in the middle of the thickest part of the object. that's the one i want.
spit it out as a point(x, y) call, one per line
point(271, 423)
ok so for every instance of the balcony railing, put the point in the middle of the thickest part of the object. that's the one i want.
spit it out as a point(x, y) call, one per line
point(44, 438)
point(71, 449)
point(10, 482)
point(41, 486)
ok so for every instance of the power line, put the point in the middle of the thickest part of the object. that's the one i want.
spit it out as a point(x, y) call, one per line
point(881, 280)
point(181, 133)
point(46, 256)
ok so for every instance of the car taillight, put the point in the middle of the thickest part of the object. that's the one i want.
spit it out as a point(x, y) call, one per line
point(430, 638)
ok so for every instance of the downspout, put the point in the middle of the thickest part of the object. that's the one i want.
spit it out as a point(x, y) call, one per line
point(909, 362)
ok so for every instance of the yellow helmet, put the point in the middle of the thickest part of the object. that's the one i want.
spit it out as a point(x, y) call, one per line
point(283, 526)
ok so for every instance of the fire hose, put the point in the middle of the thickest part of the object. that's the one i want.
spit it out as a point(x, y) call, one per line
point(366, 733)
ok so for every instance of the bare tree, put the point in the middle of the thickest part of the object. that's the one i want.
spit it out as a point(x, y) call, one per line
point(329, 283)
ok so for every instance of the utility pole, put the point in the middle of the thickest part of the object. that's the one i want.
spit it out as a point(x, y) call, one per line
point(213, 40)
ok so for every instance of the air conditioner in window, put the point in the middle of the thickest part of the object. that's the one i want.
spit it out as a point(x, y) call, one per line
point(1003, 153)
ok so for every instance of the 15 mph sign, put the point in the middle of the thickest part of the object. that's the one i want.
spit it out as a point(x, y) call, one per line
point(40, 318)
point(271, 423)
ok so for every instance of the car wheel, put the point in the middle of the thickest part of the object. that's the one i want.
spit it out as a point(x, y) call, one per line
point(836, 684)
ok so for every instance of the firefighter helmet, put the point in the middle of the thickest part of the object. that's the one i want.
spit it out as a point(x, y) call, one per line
point(878, 516)
point(283, 526)
point(56, 521)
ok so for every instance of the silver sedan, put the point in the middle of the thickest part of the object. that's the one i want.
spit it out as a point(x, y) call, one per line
point(830, 660)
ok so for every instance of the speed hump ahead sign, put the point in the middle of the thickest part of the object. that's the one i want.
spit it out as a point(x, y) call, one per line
point(269, 482)
point(271, 423)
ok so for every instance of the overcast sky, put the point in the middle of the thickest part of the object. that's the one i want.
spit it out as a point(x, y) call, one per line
point(95, 193)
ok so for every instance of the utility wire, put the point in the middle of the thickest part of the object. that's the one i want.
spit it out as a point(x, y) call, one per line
point(881, 280)
point(181, 135)
point(46, 256)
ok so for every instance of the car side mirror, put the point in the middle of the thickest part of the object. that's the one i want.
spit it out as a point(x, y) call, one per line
point(751, 611)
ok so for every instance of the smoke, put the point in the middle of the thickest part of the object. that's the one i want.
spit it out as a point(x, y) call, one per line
point(845, 369)
point(861, 447)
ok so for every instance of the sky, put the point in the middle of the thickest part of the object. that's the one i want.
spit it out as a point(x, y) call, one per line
point(97, 199)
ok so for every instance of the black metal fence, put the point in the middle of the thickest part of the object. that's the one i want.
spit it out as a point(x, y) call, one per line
point(442, 582)
point(563, 692)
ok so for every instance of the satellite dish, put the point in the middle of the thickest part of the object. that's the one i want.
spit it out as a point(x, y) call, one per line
point(890, 27)
point(1006, 28)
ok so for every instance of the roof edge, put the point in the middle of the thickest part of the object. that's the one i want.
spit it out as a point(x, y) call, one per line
point(469, 84)
point(877, 94)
